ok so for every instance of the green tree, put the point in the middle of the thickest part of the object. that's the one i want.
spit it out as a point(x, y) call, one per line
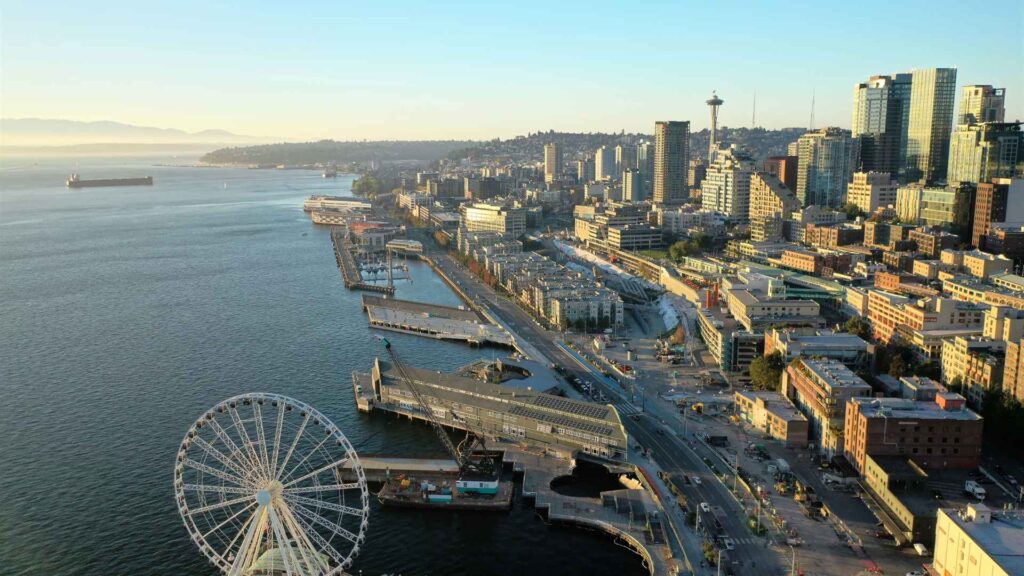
point(929, 369)
point(859, 326)
point(897, 366)
point(766, 371)
point(853, 211)
point(677, 250)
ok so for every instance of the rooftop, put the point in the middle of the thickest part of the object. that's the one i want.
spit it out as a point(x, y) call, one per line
point(834, 373)
point(905, 408)
point(556, 410)
point(1002, 538)
point(775, 403)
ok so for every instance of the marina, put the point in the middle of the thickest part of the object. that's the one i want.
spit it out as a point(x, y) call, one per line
point(351, 273)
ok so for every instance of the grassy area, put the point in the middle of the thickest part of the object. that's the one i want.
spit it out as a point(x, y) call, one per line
point(656, 254)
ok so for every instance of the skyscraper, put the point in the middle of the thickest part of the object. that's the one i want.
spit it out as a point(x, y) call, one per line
point(552, 162)
point(981, 103)
point(931, 120)
point(726, 188)
point(881, 115)
point(585, 170)
point(604, 163)
point(671, 160)
point(625, 158)
point(826, 161)
point(632, 186)
point(981, 152)
point(645, 163)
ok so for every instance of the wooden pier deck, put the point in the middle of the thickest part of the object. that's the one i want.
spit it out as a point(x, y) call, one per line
point(350, 272)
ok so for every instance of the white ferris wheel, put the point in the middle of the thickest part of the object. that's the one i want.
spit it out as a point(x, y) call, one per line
point(258, 486)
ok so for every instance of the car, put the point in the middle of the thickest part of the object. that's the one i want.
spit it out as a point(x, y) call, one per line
point(728, 544)
point(705, 507)
point(686, 478)
point(882, 534)
point(916, 573)
point(1011, 480)
point(696, 480)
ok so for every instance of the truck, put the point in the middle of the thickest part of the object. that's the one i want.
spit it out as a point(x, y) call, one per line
point(782, 466)
point(974, 489)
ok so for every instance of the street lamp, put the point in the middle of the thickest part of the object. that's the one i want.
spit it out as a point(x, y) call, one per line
point(792, 566)
point(719, 563)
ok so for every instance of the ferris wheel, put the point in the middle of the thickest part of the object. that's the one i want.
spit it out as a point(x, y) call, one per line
point(259, 485)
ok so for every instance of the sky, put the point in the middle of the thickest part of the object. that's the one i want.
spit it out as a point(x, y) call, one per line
point(480, 70)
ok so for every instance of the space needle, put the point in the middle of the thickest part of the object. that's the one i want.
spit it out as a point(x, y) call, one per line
point(714, 102)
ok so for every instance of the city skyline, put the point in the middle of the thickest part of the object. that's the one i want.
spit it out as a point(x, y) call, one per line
point(353, 74)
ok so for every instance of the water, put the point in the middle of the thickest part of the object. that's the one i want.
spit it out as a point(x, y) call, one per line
point(126, 312)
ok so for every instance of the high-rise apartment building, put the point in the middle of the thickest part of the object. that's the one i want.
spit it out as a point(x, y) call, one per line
point(1001, 200)
point(604, 163)
point(783, 168)
point(726, 188)
point(552, 162)
point(826, 160)
point(632, 185)
point(881, 114)
point(625, 158)
point(981, 152)
point(768, 197)
point(871, 191)
point(585, 171)
point(671, 160)
point(645, 163)
point(931, 119)
point(981, 103)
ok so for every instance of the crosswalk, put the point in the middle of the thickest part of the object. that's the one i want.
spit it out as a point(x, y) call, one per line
point(626, 409)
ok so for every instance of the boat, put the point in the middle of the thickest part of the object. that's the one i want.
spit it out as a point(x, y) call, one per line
point(75, 181)
point(330, 172)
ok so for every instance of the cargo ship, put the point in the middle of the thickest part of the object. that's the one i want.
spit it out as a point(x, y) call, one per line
point(74, 181)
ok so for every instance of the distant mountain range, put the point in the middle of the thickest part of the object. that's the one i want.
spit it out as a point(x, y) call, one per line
point(35, 132)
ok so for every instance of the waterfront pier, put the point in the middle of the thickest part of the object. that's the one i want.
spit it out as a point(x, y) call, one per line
point(432, 321)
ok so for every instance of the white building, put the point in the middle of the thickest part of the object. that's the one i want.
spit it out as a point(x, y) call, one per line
point(726, 188)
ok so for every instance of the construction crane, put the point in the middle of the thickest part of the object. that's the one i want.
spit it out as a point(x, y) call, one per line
point(464, 453)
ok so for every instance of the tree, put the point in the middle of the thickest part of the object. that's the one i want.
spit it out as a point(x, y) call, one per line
point(853, 211)
point(766, 371)
point(677, 250)
point(897, 366)
point(858, 326)
point(929, 369)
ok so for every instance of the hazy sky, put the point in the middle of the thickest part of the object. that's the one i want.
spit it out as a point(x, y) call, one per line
point(353, 70)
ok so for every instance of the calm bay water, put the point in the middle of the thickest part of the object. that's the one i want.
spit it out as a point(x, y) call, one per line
point(126, 312)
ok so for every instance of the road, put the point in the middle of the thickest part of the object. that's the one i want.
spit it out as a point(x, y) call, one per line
point(671, 453)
